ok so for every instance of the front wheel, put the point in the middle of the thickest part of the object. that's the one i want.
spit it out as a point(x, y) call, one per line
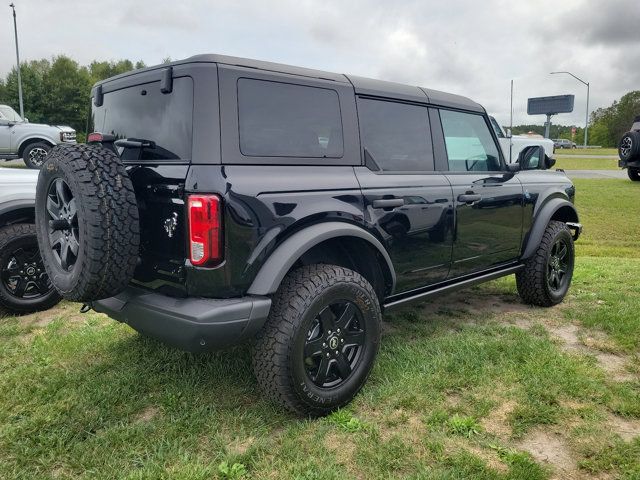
point(35, 154)
point(317, 348)
point(546, 276)
point(634, 174)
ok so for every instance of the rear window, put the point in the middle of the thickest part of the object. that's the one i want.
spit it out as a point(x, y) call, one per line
point(285, 120)
point(144, 112)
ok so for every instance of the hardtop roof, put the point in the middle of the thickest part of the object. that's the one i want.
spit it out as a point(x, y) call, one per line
point(362, 85)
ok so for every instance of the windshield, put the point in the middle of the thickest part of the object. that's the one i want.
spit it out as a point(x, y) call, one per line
point(497, 128)
point(9, 113)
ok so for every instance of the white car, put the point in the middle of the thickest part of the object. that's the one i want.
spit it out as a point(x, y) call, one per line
point(512, 145)
point(31, 141)
point(24, 285)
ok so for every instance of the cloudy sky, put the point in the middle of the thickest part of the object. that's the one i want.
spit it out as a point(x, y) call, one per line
point(470, 47)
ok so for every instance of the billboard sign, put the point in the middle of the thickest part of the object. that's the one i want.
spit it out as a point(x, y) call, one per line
point(550, 105)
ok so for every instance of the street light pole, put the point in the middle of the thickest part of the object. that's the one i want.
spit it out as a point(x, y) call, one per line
point(586, 121)
point(15, 31)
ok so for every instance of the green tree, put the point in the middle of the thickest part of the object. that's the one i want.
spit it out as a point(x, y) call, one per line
point(610, 123)
point(66, 90)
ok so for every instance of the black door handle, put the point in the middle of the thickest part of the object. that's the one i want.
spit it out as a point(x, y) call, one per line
point(388, 202)
point(469, 198)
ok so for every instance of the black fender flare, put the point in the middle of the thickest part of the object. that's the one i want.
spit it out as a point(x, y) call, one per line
point(542, 219)
point(284, 256)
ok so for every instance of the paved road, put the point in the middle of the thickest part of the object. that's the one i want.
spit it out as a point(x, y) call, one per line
point(596, 173)
point(564, 155)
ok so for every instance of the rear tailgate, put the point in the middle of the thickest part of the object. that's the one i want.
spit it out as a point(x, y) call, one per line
point(157, 126)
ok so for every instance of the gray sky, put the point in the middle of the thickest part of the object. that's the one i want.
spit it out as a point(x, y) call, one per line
point(473, 48)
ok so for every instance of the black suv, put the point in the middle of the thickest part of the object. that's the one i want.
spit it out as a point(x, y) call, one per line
point(629, 151)
point(223, 200)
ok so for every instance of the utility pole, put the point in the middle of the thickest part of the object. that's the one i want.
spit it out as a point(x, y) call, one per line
point(15, 31)
point(586, 121)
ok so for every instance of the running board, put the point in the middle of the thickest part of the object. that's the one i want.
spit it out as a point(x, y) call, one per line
point(441, 289)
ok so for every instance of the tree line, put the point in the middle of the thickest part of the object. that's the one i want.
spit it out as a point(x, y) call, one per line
point(57, 91)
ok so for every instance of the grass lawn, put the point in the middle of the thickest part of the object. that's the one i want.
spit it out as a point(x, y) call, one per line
point(586, 163)
point(472, 385)
point(581, 152)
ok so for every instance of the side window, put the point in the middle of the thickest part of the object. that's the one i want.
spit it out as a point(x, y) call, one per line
point(397, 136)
point(285, 120)
point(470, 146)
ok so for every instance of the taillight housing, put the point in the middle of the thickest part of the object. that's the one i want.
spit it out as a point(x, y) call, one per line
point(94, 137)
point(205, 229)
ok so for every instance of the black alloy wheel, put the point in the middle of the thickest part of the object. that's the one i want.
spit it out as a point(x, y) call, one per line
point(62, 214)
point(334, 344)
point(24, 284)
point(558, 265)
point(23, 273)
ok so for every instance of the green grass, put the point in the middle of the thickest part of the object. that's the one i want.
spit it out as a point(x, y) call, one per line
point(610, 212)
point(586, 163)
point(587, 151)
point(459, 386)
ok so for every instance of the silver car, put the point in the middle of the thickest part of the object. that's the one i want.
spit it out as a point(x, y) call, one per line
point(31, 141)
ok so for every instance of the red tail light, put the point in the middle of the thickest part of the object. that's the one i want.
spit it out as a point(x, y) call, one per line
point(205, 229)
point(94, 137)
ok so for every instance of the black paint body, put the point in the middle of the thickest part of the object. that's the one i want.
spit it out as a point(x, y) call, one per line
point(431, 238)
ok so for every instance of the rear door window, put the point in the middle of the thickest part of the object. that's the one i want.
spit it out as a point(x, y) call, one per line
point(143, 112)
point(285, 120)
point(396, 135)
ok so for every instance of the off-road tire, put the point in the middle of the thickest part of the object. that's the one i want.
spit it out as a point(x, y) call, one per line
point(26, 154)
point(629, 147)
point(277, 354)
point(634, 174)
point(107, 222)
point(13, 237)
point(531, 280)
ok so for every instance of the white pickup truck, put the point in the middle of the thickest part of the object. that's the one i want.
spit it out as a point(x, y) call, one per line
point(31, 141)
point(512, 145)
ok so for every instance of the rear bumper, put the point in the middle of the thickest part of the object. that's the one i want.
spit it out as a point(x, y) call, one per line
point(191, 324)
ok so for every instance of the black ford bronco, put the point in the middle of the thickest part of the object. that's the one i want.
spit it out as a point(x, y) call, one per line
point(629, 151)
point(223, 200)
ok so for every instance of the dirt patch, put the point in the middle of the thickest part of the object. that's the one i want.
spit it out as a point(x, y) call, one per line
point(627, 428)
point(344, 449)
point(147, 414)
point(550, 449)
point(573, 339)
point(497, 422)
point(239, 446)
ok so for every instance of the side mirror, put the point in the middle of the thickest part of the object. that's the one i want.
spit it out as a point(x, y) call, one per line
point(26, 120)
point(550, 162)
point(509, 133)
point(532, 158)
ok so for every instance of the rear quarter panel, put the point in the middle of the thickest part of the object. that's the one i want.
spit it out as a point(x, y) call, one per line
point(263, 205)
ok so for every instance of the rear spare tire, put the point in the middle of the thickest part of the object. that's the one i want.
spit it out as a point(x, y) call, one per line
point(629, 147)
point(87, 222)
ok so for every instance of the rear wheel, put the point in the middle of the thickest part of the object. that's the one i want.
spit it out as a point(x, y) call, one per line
point(317, 348)
point(35, 154)
point(546, 276)
point(634, 174)
point(24, 285)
